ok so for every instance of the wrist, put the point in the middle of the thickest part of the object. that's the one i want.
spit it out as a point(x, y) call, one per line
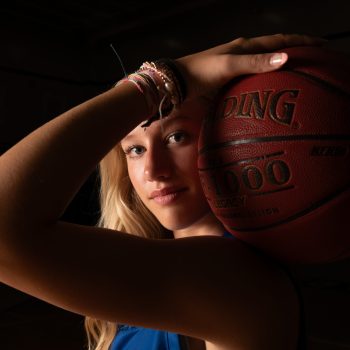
point(162, 85)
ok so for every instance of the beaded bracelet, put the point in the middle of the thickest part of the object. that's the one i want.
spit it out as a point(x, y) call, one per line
point(175, 72)
point(169, 79)
point(162, 85)
point(145, 87)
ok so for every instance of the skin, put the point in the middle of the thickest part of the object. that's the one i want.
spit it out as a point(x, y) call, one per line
point(163, 157)
point(207, 287)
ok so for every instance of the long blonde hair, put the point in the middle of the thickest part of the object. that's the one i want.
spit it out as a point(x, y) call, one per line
point(122, 210)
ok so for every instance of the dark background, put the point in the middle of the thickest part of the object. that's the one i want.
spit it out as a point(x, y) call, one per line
point(56, 54)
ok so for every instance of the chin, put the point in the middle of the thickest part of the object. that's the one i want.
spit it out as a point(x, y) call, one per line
point(174, 226)
point(183, 221)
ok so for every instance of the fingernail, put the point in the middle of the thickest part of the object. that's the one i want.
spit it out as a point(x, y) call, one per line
point(278, 59)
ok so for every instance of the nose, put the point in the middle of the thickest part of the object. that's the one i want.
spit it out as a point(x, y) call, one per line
point(158, 165)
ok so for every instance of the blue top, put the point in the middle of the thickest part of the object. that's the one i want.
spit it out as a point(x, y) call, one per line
point(138, 338)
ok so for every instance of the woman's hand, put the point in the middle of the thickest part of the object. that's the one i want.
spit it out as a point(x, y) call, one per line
point(207, 71)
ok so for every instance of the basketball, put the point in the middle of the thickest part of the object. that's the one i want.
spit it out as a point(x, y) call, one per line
point(274, 158)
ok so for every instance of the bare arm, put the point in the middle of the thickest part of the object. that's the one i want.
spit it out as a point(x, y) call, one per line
point(34, 172)
point(83, 269)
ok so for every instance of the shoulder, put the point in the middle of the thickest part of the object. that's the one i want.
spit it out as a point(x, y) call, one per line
point(224, 292)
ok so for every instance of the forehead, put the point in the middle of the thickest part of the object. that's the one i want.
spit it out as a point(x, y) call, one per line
point(190, 114)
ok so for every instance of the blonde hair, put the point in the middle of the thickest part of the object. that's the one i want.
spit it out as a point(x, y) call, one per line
point(122, 210)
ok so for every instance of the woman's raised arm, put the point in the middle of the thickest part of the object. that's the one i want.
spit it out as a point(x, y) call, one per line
point(40, 175)
point(78, 267)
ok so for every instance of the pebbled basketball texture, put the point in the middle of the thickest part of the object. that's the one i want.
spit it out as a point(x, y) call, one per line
point(274, 160)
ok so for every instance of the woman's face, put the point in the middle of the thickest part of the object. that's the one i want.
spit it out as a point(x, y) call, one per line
point(162, 166)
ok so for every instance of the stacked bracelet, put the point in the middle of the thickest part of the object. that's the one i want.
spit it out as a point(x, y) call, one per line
point(162, 85)
point(175, 73)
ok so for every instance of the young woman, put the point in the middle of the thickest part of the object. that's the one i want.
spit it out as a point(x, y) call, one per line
point(201, 285)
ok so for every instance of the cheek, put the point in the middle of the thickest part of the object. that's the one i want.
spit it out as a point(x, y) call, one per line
point(189, 162)
point(136, 177)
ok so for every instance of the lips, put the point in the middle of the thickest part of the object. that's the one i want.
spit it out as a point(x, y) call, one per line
point(166, 195)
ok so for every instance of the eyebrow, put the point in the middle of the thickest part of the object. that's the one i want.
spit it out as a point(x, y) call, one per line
point(126, 138)
point(166, 123)
point(166, 120)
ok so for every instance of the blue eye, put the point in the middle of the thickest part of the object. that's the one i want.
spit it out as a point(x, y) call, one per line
point(134, 151)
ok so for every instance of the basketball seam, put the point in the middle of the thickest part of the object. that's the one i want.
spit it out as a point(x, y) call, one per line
point(242, 161)
point(319, 81)
point(277, 138)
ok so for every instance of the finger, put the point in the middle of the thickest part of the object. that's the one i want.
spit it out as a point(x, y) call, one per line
point(258, 63)
point(278, 41)
point(270, 43)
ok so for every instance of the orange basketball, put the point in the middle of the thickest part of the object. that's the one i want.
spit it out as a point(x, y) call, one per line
point(274, 160)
